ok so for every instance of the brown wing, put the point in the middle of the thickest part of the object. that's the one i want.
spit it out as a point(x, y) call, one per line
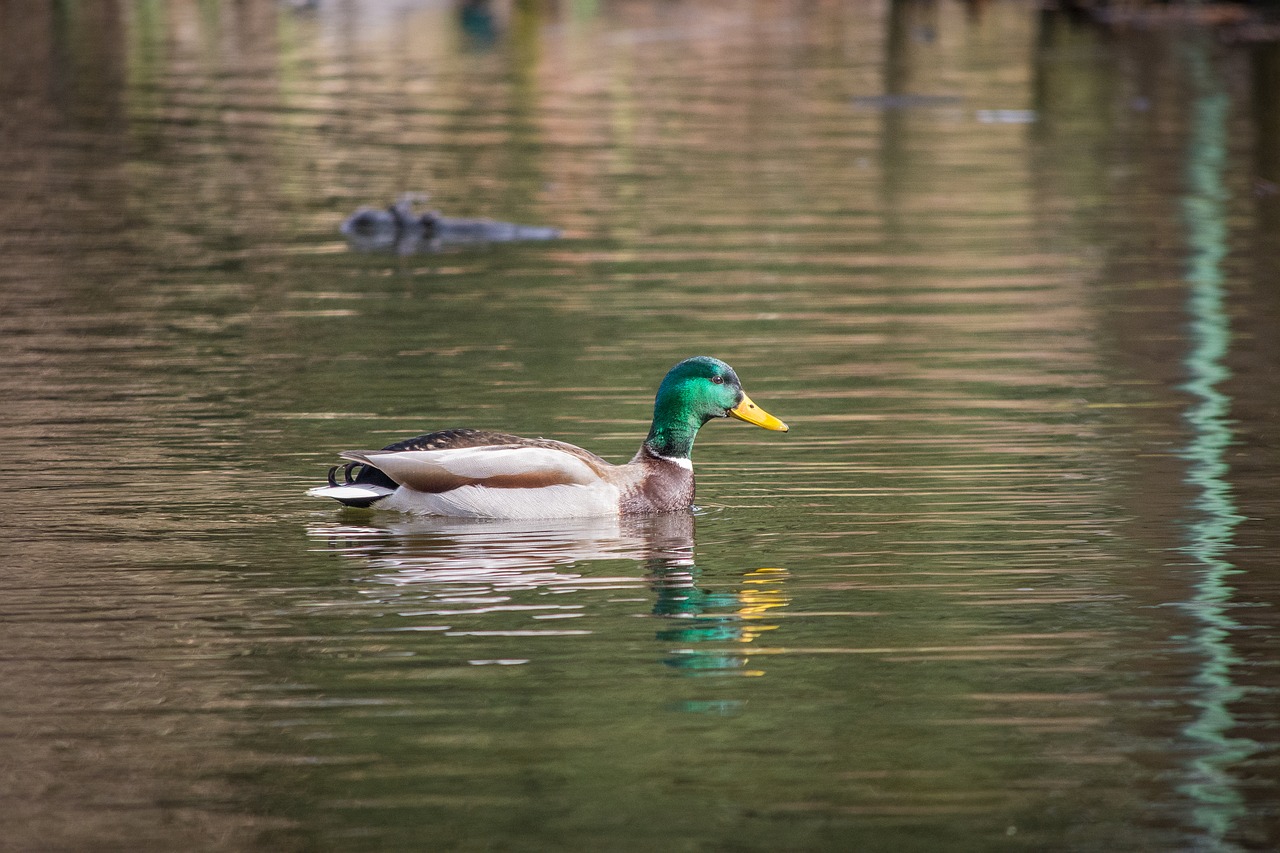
point(510, 466)
point(454, 439)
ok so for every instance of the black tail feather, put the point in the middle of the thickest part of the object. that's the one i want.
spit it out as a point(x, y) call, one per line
point(354, 473)
point(359, 472)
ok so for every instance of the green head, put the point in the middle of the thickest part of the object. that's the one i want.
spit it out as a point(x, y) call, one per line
point(692, 393)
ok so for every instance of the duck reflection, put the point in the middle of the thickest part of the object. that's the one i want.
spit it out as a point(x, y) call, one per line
point(468, 568)
point(704, 616)
point(422, 549)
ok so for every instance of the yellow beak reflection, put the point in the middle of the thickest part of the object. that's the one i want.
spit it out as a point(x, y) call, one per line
point(753, 414)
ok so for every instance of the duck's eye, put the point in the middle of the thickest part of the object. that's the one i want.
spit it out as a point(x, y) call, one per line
point(719, 380)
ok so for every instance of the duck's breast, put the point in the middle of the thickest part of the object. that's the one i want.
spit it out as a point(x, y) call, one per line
point(664, 485)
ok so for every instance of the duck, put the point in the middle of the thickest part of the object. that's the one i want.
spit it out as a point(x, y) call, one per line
point(470, 473)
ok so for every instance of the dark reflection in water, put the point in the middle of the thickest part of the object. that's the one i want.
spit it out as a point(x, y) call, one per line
point(401, 229)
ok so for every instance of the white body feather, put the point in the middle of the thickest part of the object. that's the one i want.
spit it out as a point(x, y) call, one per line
point(354, 491)
point(561, 501)
point(482, 463)
point(451, 482)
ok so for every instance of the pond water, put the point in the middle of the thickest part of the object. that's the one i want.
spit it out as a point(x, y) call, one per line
point(1008, 583)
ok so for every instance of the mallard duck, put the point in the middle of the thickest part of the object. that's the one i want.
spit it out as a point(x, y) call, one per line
point(467, 473)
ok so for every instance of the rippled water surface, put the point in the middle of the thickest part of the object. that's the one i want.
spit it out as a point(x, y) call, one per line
point(1009, 582)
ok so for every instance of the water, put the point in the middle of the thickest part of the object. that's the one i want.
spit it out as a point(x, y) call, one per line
point(1007, 583)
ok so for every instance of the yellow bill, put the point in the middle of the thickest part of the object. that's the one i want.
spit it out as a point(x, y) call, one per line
point(753, 414)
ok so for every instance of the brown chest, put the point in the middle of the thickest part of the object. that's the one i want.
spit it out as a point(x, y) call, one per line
point(665, 487)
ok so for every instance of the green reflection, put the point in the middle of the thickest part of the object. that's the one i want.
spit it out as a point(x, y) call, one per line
point(705, 616)
point(1219, 803)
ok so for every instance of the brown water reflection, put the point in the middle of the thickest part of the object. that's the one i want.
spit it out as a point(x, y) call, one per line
point(1006, 583)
